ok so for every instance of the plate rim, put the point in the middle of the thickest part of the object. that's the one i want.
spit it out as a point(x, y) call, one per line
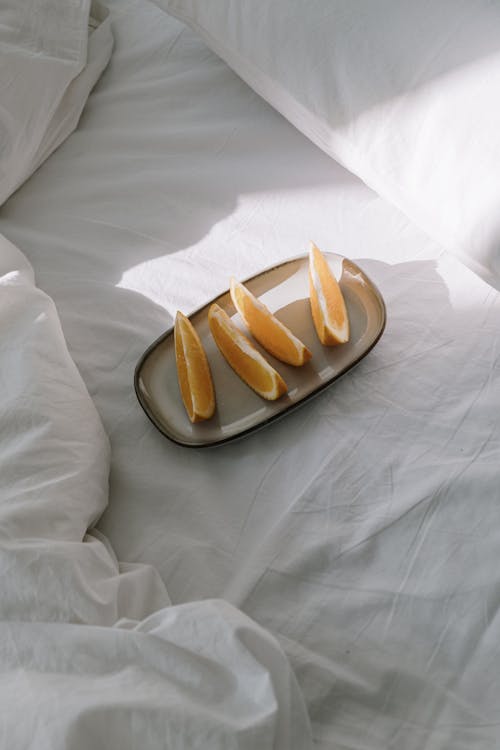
point(291, 407)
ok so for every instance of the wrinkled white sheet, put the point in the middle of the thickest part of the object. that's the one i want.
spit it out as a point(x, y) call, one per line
point(197, 675)
point(49, 63)
point(363, 530)
point(91, 653)
point(54, 463)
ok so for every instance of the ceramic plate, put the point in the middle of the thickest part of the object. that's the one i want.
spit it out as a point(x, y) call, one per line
point(285, 291)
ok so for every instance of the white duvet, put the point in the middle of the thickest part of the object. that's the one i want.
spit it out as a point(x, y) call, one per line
point(91, 653)
point(82, 665)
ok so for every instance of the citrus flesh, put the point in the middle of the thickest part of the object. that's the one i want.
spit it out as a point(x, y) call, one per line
point(270, 332)
point(243, 357)
point(193, 371)
point(328, 307)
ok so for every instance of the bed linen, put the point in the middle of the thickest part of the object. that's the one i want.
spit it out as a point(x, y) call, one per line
point(398, 92)
point(361, 532)
point(91, 652)
point(81, 662)
point(51, 55)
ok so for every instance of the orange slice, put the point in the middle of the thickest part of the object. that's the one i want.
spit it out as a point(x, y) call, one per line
point(243, 357)
point(193, 371)
point(327, 303)
point(270, 332)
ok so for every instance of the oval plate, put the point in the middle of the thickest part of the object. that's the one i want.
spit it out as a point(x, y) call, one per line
point(285, 291)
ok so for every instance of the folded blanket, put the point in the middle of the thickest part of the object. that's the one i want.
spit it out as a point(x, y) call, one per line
point(52, 52)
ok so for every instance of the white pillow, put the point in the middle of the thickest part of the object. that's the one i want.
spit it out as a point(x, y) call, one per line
point(404, 94)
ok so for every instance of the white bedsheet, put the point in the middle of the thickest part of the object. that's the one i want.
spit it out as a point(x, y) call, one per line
point(195, 675)
point(91, 652)
point(362, 530)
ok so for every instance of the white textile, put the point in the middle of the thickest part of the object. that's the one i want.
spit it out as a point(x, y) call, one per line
point(197, 675)
point(49, 63)
point(91, 653)
point(363, 530)
point(402, 93)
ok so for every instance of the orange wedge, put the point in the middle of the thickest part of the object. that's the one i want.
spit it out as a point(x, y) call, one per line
point(243, 357)
point(327, 303)
point(193, 371)
point(270, 332)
